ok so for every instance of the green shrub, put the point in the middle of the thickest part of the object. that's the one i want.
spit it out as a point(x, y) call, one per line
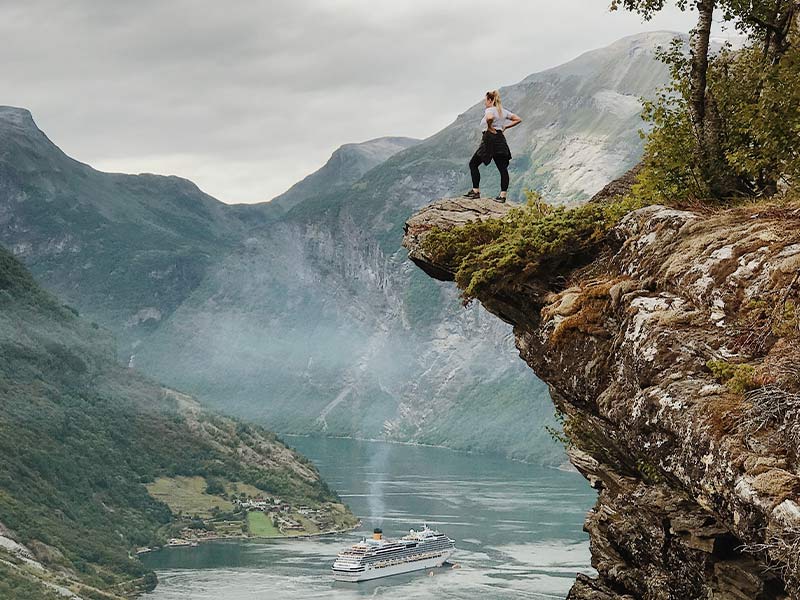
point(738, 378)
point(530, 240)
point(649, 472)
point(557, 433)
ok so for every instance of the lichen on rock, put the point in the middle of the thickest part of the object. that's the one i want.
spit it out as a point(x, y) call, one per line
point(671, 345)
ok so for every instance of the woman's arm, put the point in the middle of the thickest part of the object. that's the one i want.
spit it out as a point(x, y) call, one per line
point(515, 120)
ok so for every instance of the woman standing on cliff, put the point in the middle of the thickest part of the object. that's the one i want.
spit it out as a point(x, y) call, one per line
point(496, 119)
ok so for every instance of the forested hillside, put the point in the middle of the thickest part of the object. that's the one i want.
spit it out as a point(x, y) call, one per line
point(80, 435)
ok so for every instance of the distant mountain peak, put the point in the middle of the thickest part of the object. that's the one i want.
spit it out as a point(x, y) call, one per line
point(19, 117)
point(346, 165)
point(650, 37)
point(383, 140)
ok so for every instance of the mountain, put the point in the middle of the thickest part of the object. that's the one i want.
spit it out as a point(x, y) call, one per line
point(82, 438)
point(126, 248)
point(363, 343)
point(345, 166)
point(669, 339)
point(310, 319)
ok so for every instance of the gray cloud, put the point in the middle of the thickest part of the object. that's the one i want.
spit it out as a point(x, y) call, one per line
point(245, 98)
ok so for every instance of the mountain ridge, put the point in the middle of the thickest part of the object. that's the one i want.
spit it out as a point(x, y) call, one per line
point(310, 320)
point(347, 164)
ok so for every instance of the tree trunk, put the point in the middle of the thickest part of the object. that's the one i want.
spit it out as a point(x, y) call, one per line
point(705, 152)
point(779, 33)
point(699, 72)
point(796, 35)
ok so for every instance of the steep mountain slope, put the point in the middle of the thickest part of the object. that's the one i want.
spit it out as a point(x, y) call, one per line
point(312, 320)
point(80, 435)
point(127, 249)
point(671, 347)
point(345, 166)
point(360, 342)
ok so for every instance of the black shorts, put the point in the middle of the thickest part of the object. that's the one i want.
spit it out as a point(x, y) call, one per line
point(493, 145)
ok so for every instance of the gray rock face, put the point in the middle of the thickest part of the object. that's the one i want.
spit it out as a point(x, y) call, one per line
point(698, 483)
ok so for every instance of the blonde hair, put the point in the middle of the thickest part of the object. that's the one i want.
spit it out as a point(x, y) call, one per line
point(494, 96)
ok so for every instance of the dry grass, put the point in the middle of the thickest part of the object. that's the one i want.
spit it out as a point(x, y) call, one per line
point(186, 495)
point(725, 414)
point(782, 552)
point(771, 407)
point(586, 312)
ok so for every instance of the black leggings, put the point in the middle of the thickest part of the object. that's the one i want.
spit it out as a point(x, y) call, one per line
point(500, 163)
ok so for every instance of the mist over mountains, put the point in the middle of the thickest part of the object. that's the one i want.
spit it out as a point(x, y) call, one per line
point(303, 313)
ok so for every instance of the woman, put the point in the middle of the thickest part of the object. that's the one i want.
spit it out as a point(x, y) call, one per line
point(496, 119)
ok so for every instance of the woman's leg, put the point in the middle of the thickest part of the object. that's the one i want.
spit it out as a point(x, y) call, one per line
point(476, 174)
point(502, 166)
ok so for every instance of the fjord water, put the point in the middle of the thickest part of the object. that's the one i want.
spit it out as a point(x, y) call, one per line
point(517, 529)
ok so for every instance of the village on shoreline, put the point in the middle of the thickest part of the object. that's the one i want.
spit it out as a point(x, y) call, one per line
point(240, 511)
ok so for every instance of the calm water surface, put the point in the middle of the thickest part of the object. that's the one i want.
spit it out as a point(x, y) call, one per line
point(517, 530)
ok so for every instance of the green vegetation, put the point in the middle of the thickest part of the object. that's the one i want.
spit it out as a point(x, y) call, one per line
point(649, 472)
point(17, 286)
point(528, 241)
point(239, 488)
point(17, 584)
point(738, 378)
point(260, 525)
point(728, 125)
point(759, 110)
point(556, 432)
point(342, 517)
point(81, 437)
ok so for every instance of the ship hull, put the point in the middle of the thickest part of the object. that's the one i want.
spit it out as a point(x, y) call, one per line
point(405, 567)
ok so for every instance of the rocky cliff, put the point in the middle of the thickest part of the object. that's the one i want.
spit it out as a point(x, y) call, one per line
point(671, 349)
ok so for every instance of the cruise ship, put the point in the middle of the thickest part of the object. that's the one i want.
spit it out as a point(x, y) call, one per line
point(380, 557)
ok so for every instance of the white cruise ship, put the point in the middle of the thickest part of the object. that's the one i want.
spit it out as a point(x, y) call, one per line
point(379, 557)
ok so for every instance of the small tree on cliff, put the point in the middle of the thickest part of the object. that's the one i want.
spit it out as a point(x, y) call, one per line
point(702, 111)
point(705, 110)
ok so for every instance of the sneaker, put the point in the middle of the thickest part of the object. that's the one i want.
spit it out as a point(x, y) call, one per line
point(472, 195)
point(500, 199)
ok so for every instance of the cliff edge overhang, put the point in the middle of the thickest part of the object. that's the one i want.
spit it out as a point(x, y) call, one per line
point(674, 355)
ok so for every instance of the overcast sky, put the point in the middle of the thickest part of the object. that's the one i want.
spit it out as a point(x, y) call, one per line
point(246, 98)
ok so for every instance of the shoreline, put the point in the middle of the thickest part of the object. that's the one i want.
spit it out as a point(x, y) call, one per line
point(558, 466)
point(192, 544)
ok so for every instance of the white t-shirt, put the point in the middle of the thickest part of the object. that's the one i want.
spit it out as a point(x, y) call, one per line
point(500, 121)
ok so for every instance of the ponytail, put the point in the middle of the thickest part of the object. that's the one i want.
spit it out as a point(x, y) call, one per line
point(494, 96)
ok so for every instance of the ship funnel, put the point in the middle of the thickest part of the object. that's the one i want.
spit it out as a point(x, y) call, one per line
point(377, 534)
